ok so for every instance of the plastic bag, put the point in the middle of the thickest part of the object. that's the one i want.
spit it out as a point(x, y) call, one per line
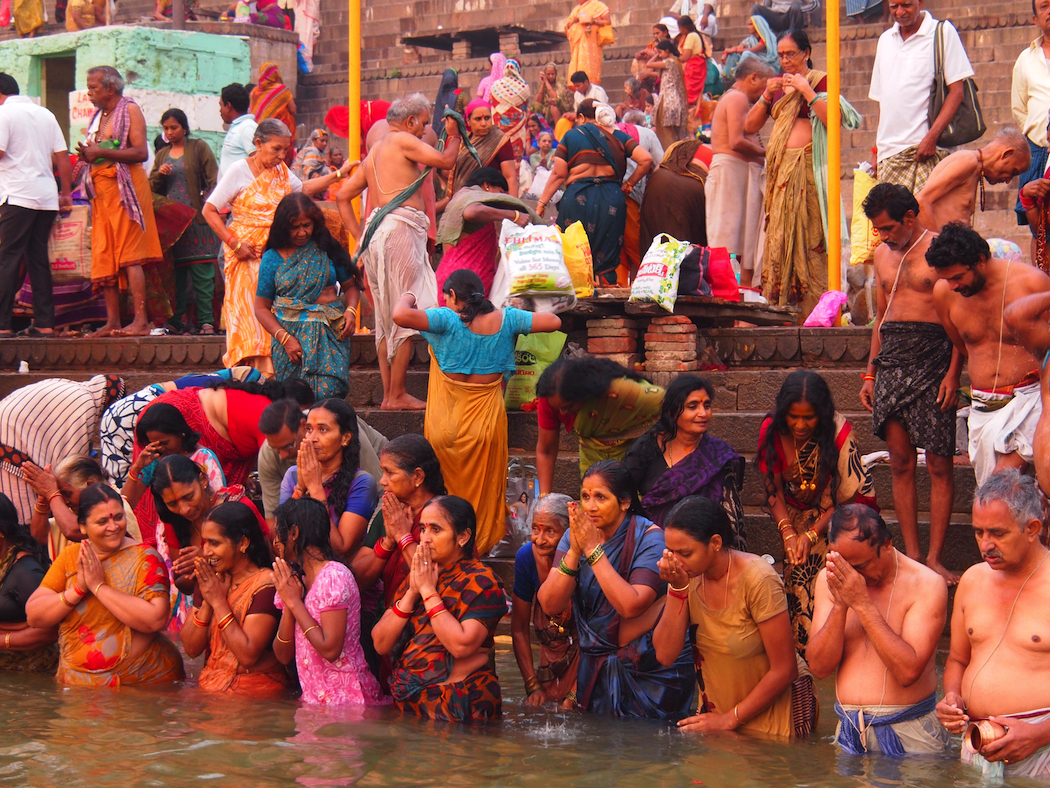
point(657, 280)
point(522, 493)
point(533, 353)
point(827, 311)
point(720, 275)
point(576, 249)
point(534, 261)
point(863, 236)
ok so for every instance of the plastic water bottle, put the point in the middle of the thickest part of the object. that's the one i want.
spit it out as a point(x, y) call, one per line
point(23, 367)
point(735, 262)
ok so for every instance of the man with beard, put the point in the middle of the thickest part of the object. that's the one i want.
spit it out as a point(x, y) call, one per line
point(971, 296)
point(998, 667)
point(913, 369)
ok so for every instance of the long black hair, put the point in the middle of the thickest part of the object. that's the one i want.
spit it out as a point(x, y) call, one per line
point(803, 385)
point(93, 495)
point(181, 469)
point(583, 378)
point(346, 420)
point(291, 207)
point(701, 518)
point(314, 524)
point(165, 418)
point(16, 534)
point(413, 451)
point(469, 289)
point(619, 481)
point(236, 520)
point(674, 403)
point(461, 514)
point(273, 389)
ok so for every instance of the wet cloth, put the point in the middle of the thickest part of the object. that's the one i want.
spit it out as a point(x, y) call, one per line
point(735, 207)
point(1002, 424)
point(94, 645)
point(891, 730)
point(1036, 765)
point(607, 425)
point(422, 665)
point(396, 263)
point(626, 681)
point(20, 575)
point(903, 169)
point(911, 364)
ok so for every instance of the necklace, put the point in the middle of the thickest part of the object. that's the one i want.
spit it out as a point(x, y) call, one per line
point(811, 460)
point(703, 583)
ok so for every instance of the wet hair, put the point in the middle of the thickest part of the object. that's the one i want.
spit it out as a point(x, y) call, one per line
point(413, 451)
point(17, 534)
point(8, 85)
point(579, 76)
point(667, 45)
point(171, 469)
point(273, 389)
point(957, 244)
point(892, 198)
point(803, 385)
point(583, 378)
point(635, 116)
point(92, 496)
point(752, 65)
point(282, 413)
point(802, 42)
point(686, 23)
point(1019, 492)
point(863, 523)
point(469, 289)
point(237, 96)
point(346, 421)
point(237, 521)
point(165, 418)
point(674, 403)
point(700, 518)
point(487, 176)
point(291, 207)
point(271, 127)
point(314, 524)
point(462, 516)
point(80, 471)
point(556, 505)
point(619, 481)
point(179, 117)
point(109, 77)
point(410, 106)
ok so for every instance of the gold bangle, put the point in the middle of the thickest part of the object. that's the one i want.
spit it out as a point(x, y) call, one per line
point(62, 596)
point(311, 629)
point(437, 613)
point(737, 716)
point(7, 642)
point(517, 215)
point(281, 639)
point(95, 592)
point(681, 590)
point(812, 536)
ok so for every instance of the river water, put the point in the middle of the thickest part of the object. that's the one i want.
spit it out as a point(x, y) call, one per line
point(177, 736)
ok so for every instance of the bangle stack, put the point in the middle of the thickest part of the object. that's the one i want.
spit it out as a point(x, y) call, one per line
point(405, 541)
point(398, 611)
point(596, 555)
point(287, 336)
point(52, 496)
point(678, 593)
point(812, 536)
point(41, 506)
point(436, 611)
point(198, 622)
point(565, 570)
point(225, 621)
point(381, 552)
point(532, 684)
point(133, 477)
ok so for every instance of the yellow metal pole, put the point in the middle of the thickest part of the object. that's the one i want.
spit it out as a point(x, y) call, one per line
point(834, 151)
point(354, 82)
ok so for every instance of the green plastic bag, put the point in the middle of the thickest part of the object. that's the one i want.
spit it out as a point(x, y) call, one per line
point(533, 353)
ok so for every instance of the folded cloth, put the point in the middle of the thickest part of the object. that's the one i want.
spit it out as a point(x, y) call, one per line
point(1002, 424)
point(1036, 765)
point(888, 724)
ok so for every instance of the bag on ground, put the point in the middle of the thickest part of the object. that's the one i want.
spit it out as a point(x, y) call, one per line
point(657, 280)
point(577, 251)
point(69, 245)
point(533, 353)
point(534, 260)
point(720, 275)
point(863, 236)
point(691, 277)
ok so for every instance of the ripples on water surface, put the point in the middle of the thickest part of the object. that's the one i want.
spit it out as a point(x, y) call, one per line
point(176, 736)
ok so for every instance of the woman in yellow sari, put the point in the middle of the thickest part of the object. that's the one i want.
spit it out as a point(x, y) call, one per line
point(271, 98)
point(109, 598)
point(589, 30)
point(251, 190)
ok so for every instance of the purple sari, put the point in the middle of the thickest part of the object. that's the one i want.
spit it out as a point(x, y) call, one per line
point(698, 474)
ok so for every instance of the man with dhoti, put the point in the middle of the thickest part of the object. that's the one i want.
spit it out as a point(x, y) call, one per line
point(972, 295)
point(876, 621)
point(997, 676)
point(123, 230)
point(392, 245)
point(736, 183)
point(589, 29)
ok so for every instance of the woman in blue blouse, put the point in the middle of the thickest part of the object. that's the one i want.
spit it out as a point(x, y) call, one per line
point(471, 352)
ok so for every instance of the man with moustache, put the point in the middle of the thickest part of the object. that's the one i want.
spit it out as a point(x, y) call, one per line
point(973, 292)
point(998, 666)
point(913, 369)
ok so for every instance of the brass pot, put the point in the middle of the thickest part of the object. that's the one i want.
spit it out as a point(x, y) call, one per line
point(978, 734)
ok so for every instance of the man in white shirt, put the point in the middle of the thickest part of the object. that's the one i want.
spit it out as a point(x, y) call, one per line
point(581, 83)
point(634, 125)
point(901, 81)
point(31, 149)
point(1030, 100)
point(238, 145)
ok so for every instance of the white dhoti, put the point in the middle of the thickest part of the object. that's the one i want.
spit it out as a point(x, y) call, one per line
point(1036, 765)
point(997, 430)
point(396, 263)
point(736, 192)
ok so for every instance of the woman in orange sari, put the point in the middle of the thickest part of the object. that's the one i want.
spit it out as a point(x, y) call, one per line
point(108, 595)
point(251, 190)
point(589, 30)
point(235, 618)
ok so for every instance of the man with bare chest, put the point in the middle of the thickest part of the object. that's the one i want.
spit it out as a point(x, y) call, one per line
point(951, 193)
point(913, 369)
point(972, 294)
point(998, 667)
point(876, 621)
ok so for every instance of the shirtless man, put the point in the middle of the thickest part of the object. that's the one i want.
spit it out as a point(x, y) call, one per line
point(973, 290)
point(736, 182)
point(998, 665)
point(950, 194)
point(877, 618)
point(1029, 318)
point(913, 369)
point(396, 260)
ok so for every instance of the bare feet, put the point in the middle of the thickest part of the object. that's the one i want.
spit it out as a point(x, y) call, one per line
point(950, 577)
point(108, 330)
point(405, 402)
point(139, 328)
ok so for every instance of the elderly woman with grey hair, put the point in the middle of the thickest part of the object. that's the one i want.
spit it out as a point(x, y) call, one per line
point(251, 190)
point(555, 678)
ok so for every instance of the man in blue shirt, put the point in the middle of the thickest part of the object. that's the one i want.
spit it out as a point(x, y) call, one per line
point(233, 107)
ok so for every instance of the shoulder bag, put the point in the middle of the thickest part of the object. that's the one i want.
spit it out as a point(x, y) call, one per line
point(968, 123)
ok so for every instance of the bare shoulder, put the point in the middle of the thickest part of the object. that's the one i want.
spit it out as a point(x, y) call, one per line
point(734, 99)
point(942, 292)
point(1033, 279)
point(972, 582)
point(926, 583)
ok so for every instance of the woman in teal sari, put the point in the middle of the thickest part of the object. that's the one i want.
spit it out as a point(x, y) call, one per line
point(297, 300)
point(761, 42)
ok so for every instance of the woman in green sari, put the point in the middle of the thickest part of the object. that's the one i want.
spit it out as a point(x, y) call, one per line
point(297, 300)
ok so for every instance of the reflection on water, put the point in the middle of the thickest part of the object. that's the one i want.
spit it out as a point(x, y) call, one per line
point(176, 736)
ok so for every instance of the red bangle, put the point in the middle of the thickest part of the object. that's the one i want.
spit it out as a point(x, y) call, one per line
point(381, 552)
point(405, 541)
point(398, 611)
point(78, 590)
point(677, 596)
point(867, 377)
point(428, 598)
point(436, 610)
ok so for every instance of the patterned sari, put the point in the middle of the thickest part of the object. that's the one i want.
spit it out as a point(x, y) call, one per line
point(252, 212)
point(422, 665)
point(299, 281)
point(510, 102)
point(607, 425)
point(487, 148)
point(94, 645)
point(270, 98)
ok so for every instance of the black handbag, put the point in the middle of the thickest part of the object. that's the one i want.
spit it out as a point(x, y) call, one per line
point(968, 123)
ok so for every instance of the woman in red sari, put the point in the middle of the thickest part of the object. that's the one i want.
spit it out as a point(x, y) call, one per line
point(694, 51)
point(438, 633)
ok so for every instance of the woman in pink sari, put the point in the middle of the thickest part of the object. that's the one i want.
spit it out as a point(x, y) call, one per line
point(484, 90)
